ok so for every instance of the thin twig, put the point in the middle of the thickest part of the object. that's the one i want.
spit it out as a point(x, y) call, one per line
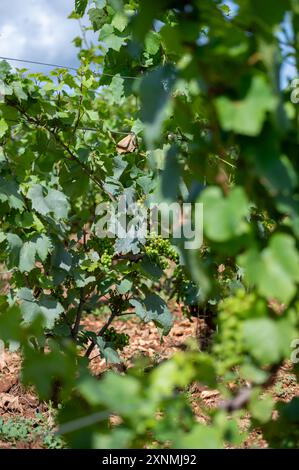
point(26, 61)
point(80, 104)
point(241, 399)
point(100, 333)
point(128, 256)
point(83, 422)
point(76, 326)
point(72, 155)
point(238, 402)
point(83, 32)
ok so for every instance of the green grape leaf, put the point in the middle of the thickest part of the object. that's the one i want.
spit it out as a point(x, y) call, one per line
point(40, 246)
point(253, 374)
point(247, 116)
point(3, 127)
point(57, 203)
point(14, 247)
point(261, 408)
point(119, 21)
point(47, 306)
point(82, 280)
point(153, 308)
point(43, 246)
point(80, 6)
point(109, 38)
point(150, 269)
point(51, 309)
point(265, 11)
point(54, 202)
point(290, 410)
point(120, 394)
point(44, 369)
point(36, 195)
point(200, 437)
point(27, 257)
point(62, 259)
point(9, 192)
point(261, 337)
point(224, 218)
point(275, 271)
point(171, 173)
point(10, 321)
point(124, 286)
point(18, 91)
point(117, 91)
point(117, 439)
point(155, 89)
point(152, 42)
point(107, 352)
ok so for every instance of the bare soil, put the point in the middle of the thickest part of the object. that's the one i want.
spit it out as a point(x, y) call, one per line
point(17, 402)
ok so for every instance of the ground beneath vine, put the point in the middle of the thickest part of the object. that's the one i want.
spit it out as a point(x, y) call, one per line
point(27, 423)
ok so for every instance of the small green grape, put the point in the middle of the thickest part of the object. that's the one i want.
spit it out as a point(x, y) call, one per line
point(159, 250)
point(106, 260)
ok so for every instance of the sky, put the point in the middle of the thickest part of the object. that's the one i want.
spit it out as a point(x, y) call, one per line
point(38, 30)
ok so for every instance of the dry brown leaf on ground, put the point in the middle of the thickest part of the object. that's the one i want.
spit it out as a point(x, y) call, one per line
point(2, 361)
point(7, 382)
point(209, 394)
point(9, 402)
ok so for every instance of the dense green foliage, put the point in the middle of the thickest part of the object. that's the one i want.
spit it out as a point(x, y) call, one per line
point(214, 126)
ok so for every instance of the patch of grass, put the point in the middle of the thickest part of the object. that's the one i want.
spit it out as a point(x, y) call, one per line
point(279, 390)
point(29, 430)
point(290, 379)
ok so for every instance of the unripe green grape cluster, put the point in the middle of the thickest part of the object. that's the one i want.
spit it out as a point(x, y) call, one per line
point(180, 277)
point(106, 260)
point(229, 347)
point(104, 244)
point(119, 340)
point(105, 249)
point(182, 285)
point(101, 245)
point(160, 250)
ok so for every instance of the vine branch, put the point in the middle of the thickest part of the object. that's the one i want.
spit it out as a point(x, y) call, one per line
point(100, 333)
point(76, 326)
